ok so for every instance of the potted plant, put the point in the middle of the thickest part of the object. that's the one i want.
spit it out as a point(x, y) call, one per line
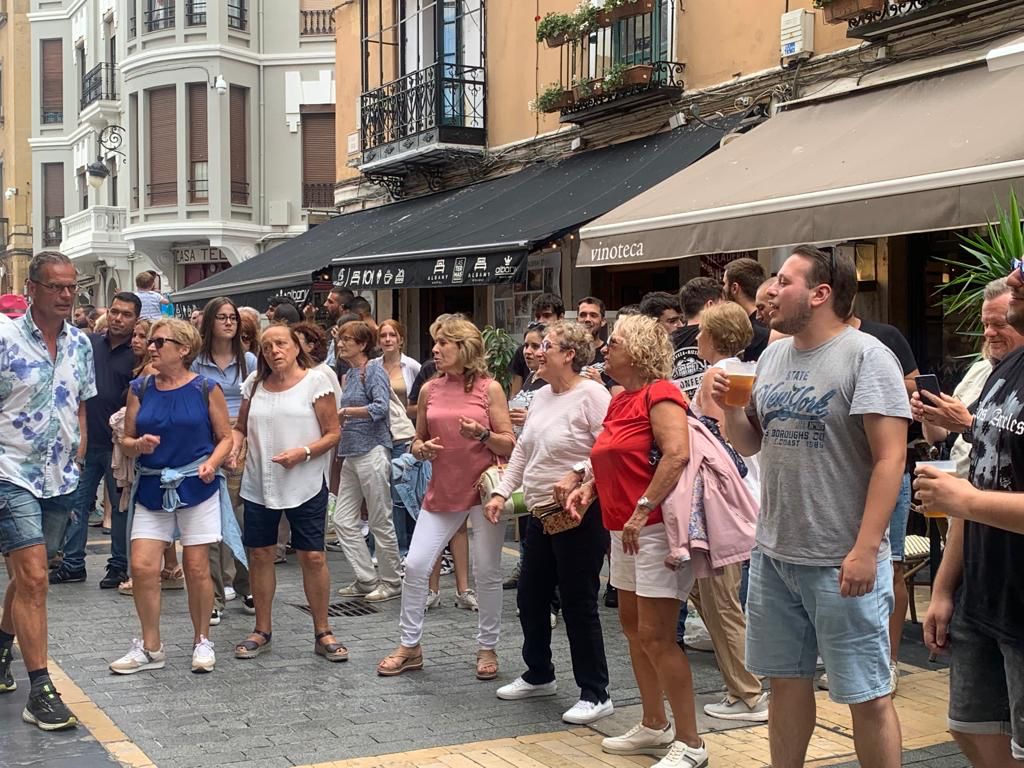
point(551, 99)
point(557, 29)
point(499, 348)
point(583, 88)
point(614, 10)
point(586, 18)
point(837, 11)
point(621, 76)
point(993, 250)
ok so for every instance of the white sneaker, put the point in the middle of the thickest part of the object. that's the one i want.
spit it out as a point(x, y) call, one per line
point(384, 592)
point(138, 659)
point(894, 677)
point(433, 599)
point(586, 712)
point(683, 756)
point(554, 619)
point(215, 617)
point(822, 682)
point(466, 600)
point(736, 709)
point(229, 594)
point(203, 657)
point(357, 589)
point(641, 740)
point(520, 689)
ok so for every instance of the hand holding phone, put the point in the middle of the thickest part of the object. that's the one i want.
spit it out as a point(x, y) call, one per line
point(928, 383)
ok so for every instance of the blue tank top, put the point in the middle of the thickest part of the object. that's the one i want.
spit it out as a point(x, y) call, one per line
point(181, 419)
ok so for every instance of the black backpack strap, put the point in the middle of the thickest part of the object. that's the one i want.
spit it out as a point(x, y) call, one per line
point(145, 385)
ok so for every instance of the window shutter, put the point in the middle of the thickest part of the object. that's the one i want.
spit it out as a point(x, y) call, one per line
point(53, 203)
point(198, 151)
point(163, 147)
point(52, 91)
point(239, 145)
point(318, 154)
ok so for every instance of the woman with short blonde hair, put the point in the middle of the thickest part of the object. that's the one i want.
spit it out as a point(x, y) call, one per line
point(728, 328)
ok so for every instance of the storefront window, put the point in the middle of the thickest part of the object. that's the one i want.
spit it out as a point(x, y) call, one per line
point(513, 304)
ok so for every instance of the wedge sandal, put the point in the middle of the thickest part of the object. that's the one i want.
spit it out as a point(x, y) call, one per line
point(397, 663)
point(486, 664)
point(330, 651)
point(250, 648)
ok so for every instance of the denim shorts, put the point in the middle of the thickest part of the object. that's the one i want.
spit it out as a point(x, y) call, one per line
point(308, 522)
point(986, 684)
point(26, 521)
point(795, 612)
point(898, 521)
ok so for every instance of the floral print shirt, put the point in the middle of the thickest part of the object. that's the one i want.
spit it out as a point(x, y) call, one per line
point(39, 402)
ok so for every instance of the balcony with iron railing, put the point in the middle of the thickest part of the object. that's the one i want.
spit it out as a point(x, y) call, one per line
point(623, 59)
point(317, 196)
point(441, 104)
point(316, 22)
point(51, 231)
point(240, 193)
point(162, 193)
point(873, 19)
point(155, 19)
point(99, 84)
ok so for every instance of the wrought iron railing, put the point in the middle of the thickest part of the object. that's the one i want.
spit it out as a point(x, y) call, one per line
point(317, 22)
point(440, 95)
point(99, 84)
point(238, 14)
point(239, 193)
point(317, 196)
point(52, 231)
point(52, 116)
point(198, 190)
point(162, 193)
point(900, 13)
point(154, 19)
point(195, 13)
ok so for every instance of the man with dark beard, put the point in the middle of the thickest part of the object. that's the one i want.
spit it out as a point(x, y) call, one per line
point(829, 415)
point(977, 608)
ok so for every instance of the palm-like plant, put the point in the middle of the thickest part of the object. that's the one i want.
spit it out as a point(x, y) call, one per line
point(499, 348)
point(993, 250)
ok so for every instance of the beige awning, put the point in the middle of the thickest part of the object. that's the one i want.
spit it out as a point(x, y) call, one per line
point(930, 154)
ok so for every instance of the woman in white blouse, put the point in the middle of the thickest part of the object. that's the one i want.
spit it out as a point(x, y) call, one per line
point(563, 423)
point(290, 420)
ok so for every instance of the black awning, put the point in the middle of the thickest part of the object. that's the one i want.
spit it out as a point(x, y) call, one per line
point(258, 299)
point(497, 219)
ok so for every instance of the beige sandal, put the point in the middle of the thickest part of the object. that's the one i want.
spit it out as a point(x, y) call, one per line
point(398, 662)
point(486, 664)
point(125, 588)
point(172, 578)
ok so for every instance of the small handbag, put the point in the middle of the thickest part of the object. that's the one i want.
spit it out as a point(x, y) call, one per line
point(515, 505)
point(402, 428)
point(555, 519)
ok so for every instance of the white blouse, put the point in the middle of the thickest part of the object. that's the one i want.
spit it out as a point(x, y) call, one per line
point(277, 422)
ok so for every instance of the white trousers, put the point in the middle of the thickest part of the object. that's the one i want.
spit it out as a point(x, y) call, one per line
point(368, 477)
point(433, 531)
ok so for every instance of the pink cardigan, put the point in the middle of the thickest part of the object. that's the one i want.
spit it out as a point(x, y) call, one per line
point(728, 516)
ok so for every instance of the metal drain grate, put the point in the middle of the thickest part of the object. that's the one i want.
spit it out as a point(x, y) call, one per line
point(345, 608)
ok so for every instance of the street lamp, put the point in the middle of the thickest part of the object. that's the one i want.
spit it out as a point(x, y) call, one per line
point(110, 139)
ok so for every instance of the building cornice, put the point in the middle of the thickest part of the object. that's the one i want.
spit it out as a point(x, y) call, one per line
point(140, 64)
point(61, 14)
point(202, 228)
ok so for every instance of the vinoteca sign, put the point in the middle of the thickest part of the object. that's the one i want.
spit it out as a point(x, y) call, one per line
point(620, 252)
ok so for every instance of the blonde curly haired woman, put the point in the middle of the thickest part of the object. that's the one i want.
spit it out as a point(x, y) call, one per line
point(462, 424)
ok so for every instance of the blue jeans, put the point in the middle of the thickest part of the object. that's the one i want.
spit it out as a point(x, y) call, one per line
point(97, 467)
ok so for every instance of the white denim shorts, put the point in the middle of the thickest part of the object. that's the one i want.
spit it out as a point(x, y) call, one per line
point(646, 573)
point(199, 524)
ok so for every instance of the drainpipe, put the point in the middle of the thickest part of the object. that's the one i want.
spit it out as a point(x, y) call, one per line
point(262, 120)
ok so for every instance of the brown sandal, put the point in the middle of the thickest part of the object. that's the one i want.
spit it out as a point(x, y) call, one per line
point(486, 664)
point(256, 643)
point(330, 651)
point(396, 663)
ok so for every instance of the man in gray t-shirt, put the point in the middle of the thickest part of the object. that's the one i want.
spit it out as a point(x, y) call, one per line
point(829, 415)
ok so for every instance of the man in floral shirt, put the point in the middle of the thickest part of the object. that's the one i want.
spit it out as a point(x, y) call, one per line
point(46, 374)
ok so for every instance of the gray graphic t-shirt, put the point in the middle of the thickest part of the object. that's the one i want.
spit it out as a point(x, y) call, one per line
point(815, 458)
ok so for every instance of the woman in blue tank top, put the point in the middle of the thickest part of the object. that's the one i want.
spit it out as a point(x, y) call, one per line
point(177, 425)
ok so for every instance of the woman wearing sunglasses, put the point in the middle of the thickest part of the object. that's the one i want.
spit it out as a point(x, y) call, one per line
point(177, 424)
point(565, 419)
point(223, 359)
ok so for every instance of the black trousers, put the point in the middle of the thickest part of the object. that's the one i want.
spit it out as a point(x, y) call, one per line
point(570, 561)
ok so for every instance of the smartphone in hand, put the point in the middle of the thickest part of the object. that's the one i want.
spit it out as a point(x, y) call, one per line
point(928, 383)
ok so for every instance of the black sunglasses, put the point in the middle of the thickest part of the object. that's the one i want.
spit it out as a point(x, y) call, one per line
point(159, 342)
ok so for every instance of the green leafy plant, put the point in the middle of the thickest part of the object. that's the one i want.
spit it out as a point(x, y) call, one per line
point(585, 18)
point(582, 88)
point(555, 25)
point(994, 249)
point(611, 5)
point(615, 77)
point(548, 100)
point(499, 347)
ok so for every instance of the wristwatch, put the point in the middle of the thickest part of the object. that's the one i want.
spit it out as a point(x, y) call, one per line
point(485, 436)
point(580, 468)
point(644, 502)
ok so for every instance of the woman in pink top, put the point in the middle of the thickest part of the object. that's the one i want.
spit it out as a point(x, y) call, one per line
point(462, 424)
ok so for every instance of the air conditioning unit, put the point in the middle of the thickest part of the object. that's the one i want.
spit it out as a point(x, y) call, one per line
point(797, 38)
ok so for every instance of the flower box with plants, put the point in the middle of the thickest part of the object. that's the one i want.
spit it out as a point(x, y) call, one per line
point(551, 99)
point(622, 76)
point(583, 89)
point(616, 10)
point(557, 29)
point(838, 11)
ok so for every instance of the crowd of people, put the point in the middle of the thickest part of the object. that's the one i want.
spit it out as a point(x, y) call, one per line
point(775, 502)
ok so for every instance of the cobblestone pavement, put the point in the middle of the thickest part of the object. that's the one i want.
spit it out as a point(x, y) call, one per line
point(289, 707)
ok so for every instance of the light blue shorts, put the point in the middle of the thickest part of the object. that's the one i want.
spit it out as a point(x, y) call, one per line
point(795, 613)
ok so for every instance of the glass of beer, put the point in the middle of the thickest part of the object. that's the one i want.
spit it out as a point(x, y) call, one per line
point(741, 382)
point(949, 467)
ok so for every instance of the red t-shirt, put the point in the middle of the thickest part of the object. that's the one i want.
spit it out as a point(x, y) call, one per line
point(621, 455)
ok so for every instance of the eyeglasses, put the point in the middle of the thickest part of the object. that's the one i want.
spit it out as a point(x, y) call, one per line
point(346, 337)
point(159, 342)
point(226, 318)
point(57, 287)
point(547, 346)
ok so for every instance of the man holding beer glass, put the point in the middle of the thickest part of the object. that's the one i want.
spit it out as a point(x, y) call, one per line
point(829, 415)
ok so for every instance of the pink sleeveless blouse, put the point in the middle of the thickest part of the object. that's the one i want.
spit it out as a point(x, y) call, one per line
point(458, 466)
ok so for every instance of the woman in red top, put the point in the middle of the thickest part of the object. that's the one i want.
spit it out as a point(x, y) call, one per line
point(637, 460)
